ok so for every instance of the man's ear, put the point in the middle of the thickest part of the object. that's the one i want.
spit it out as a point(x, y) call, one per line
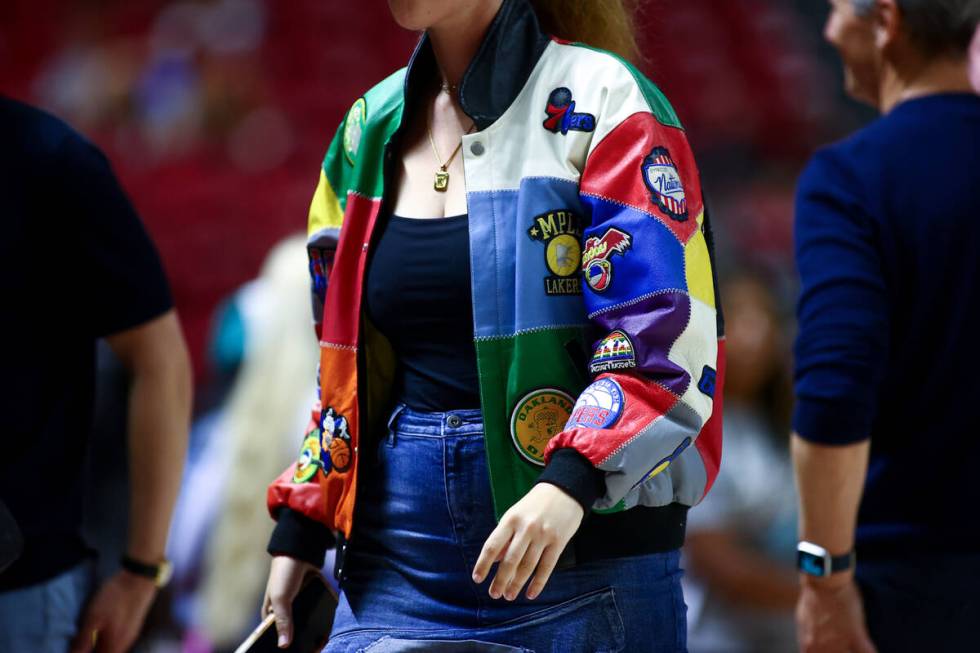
point(887, 23)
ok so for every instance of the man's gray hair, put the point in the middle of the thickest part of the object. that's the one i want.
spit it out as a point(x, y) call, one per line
point(937, 27)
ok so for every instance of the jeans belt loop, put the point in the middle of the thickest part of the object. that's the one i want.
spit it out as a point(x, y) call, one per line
point(390, 437)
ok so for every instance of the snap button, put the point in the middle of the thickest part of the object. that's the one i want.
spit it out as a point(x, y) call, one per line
point(477, 148)
point(364, 247)
point(454, 421)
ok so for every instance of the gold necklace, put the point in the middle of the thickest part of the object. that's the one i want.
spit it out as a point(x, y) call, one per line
point(441, 183)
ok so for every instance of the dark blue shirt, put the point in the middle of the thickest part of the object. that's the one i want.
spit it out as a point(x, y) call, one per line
point(888, 250)
point(75, 264)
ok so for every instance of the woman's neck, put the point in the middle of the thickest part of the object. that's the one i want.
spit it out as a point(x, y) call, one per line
point(456, 39)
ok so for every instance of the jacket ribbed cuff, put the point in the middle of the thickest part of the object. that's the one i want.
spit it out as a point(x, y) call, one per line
point(575, 474)
point(300, 537)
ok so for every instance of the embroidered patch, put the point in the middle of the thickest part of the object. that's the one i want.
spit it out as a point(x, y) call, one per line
point(596, 260)
point(707, 382)
point(309, 458)
point(614, 352)
point(662, 179)
point(561, 114)
point(599, 405)
point(561, 233)
point(335, 444)
point(536, 418)
point(354, 128)
point(318, 273)
point(665, 463)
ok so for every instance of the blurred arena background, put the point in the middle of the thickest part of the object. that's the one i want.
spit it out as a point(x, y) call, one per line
point(216, 115)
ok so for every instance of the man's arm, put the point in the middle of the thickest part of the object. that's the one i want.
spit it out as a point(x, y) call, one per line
point(159, 418)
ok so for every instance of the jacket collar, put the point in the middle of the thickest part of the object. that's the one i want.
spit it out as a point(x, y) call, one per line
point(499, 69)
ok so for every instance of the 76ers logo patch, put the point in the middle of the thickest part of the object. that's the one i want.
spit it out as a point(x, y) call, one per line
point(599, 405)
point(666, 190)
point(562, 116)
point(596, 263)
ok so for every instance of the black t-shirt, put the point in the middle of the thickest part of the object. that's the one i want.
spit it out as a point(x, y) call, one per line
point(75, 264)
point(419, 296)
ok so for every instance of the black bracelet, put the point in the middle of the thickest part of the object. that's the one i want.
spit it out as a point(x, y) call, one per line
point(134, 566)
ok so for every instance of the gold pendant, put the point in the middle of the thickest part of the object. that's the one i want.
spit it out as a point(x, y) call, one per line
point(442, 181)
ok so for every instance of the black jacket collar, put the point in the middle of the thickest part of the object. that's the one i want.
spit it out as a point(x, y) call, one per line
point(499, 69)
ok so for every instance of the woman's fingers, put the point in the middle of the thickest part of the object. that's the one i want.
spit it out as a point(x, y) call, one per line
point(508, 566)
point(547, 565)
point(492, 551)
point(525, 569)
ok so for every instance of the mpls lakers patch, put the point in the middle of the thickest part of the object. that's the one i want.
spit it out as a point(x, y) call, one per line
point(561, 233)
point(536, 418)
point(335, 449)
point(599, 405)
point(561, 114)
point(664, 183)
point(614, 352)
point(353, 128)
point(597, 259)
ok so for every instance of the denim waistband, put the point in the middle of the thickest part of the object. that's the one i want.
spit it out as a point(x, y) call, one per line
point(467, 421)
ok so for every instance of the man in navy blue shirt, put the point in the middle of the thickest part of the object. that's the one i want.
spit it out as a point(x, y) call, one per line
point(887, 431)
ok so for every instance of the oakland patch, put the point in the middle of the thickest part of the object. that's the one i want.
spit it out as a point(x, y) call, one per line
point(536, 418)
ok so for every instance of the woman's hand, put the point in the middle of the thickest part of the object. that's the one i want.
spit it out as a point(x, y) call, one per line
point(285, 578)
point(530, 536)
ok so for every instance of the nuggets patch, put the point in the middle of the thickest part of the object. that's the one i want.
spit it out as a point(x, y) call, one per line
point(599, 405)
point(708, 380)
point(597, 258)
point(561, 233)
point(335, 453)
point(562, 117)
point(536, 418)
point(614, 352)
point(354, 128)
point(664, 183)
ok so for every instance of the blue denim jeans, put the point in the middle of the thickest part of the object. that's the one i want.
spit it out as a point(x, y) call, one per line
point(43, 618)
point(423, 513)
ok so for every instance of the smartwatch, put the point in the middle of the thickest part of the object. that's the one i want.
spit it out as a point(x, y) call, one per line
point(159, 573)
point(815, 560)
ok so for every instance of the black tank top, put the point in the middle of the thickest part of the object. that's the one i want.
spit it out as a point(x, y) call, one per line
point(419, 296)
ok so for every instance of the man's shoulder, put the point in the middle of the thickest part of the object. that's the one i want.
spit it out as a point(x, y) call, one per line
point(32, 132)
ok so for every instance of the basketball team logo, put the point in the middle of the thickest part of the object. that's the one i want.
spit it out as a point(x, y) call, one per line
point(664, 183)
point(614, 352)
point(560, 231)
point(599, 405)
point(335, 441)
point(561, 114)
point(596, 260)
point(354, 128)
point(538, 416)
point(309, 459)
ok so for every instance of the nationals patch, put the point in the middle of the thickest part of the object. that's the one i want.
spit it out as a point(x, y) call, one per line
point(614, 352)
point(561, 114)
point(665, 463)
point(599, 405)
point(662, 179)
point(353, 128)
point(309, 458)
point(537, 417)
point(561, 232)
point(596, 263)
point(335, 443)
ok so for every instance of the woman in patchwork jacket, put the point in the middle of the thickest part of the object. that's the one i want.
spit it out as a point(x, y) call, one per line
point(520, 348)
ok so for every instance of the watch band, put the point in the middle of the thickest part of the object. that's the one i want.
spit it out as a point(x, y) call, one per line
point(158, 573)
point(815, 560)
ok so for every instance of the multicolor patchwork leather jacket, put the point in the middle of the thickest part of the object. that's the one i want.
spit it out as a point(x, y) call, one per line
point(598, 339)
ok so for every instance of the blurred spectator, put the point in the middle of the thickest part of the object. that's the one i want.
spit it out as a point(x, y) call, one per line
point(61, 196)
point(741, 586)
point(251, 434)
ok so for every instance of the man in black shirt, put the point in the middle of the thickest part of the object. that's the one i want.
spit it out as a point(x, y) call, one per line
point(76, 265)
